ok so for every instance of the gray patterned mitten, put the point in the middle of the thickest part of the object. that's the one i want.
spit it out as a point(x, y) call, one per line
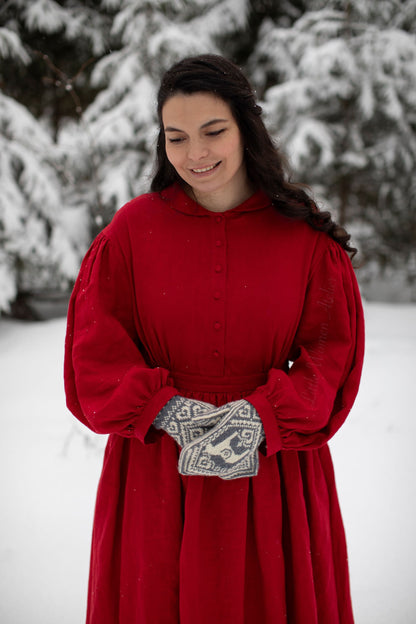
point(230, 449)
point(177, 418)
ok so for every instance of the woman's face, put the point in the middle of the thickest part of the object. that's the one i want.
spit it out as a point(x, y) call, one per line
point(204, 145)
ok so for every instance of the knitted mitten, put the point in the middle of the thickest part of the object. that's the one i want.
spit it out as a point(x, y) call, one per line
point(177, 418)
point(229, 449)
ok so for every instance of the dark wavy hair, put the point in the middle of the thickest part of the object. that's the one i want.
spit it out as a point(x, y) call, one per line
point(267, 167)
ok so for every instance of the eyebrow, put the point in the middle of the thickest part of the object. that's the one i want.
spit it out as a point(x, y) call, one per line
point(205, 125)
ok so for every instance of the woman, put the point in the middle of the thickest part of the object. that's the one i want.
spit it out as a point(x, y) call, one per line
point(216, 333)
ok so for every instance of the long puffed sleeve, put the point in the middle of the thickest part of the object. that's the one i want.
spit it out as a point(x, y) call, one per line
point(303, 406)
point(109, 387)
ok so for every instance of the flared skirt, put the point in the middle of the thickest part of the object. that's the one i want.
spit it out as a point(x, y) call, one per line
point(169, 549)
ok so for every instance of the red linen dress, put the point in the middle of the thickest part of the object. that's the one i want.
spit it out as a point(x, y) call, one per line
point(175, 299)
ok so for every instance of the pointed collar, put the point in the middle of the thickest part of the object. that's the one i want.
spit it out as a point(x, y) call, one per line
point(181, 202)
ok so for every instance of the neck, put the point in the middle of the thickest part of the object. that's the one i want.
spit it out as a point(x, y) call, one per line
point(223, 199)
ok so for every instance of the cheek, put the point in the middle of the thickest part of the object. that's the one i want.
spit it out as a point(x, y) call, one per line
point(236, 150)
point(172, 155)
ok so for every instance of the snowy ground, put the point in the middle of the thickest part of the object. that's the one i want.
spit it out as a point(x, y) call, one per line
point(50, 467)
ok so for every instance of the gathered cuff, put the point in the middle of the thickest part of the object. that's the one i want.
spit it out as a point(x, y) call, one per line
point(149, 413)
point(271, 429)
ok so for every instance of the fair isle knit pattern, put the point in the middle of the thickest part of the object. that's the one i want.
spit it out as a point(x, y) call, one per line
point(177, 419)
point(230, 449)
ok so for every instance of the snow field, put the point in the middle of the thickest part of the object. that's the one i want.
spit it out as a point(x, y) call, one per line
point(375, 464)
point(50, 466)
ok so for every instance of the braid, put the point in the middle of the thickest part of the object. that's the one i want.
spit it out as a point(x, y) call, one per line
point(271, 174)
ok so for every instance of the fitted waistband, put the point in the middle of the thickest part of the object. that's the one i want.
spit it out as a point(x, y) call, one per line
point(206, 383)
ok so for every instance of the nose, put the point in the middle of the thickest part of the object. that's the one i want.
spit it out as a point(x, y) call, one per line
point(197, 150)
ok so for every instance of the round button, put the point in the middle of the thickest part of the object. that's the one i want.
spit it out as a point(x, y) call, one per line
point(217, 325)
point(218, 243)
point(218, 268)
point(218, 219)
point(217, 294)
point(216, 354)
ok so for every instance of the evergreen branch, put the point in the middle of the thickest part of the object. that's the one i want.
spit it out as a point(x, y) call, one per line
point(63, 80)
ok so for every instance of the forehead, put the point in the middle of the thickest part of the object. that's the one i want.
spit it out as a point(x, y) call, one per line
point(194, 109)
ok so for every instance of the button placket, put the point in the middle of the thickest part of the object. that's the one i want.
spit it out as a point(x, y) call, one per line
point(218, 294)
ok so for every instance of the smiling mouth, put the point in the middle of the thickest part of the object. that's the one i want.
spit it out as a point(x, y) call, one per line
point(205, 169)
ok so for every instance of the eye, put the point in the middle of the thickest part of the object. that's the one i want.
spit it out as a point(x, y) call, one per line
point(216, 132)
point(176, 140)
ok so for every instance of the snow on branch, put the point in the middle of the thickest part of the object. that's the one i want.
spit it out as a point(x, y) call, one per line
point(11, 46)
point(311, 142)
point(223, 17)
point(45, 16)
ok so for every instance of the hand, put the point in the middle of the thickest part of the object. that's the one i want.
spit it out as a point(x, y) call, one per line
point(230, 449)
point(178, 419)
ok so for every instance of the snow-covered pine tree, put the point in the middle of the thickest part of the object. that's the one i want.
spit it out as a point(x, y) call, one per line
point(38, 244)
point(340, 94)
point(63, 39)
point(337, 79)
point(36, 249)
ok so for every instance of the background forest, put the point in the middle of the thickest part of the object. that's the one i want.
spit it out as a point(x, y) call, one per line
point(336, 80)
point(337, 83)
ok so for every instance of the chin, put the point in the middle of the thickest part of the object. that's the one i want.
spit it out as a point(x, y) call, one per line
point(209, 186)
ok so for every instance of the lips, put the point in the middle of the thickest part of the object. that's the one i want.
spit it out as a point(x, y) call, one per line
point(205, 169)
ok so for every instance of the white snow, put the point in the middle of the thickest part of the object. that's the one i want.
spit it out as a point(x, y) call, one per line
point(50, 467)
point(11, 46)
point(45, 15)
point(31, 207)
